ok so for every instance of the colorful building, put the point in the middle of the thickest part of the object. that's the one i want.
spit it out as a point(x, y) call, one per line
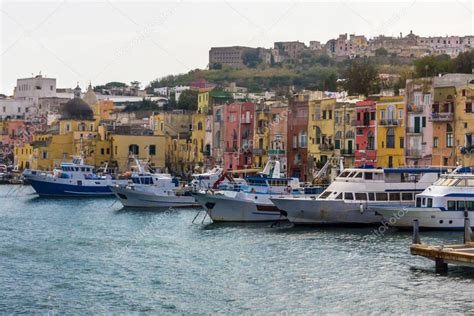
point(365, 138)
point(261, 135)
point(419, 129)
point(297, 154)
point(321, 132)
point(277, 130)
point(464, 127)
point(239, 120)
point(390, 132)
point(344, 130)
point(442, 118)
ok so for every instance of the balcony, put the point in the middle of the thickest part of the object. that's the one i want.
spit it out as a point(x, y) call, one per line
point(390, 122)
point(245, 120)
point(441, 117)
point(415, 109)
point(413, 131)
point(276, 152)
point(323, 147)
point(347, 152)
point(413, 153)
point(258, 151)
point(361, 123)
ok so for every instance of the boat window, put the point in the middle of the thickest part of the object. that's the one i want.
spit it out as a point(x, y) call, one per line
point(339, 197)
point(361, 196)
point(451, 205)
point(430, 202)
point(369, 176)
point(423, 201)
point(418, 202)
point(348, 196)
point(470, 205)
point(460, 205)
point(359, 175)
point(344, 174)
point(381, 196)
point(371, 196)
point(407, 196)
point(77, 168)
point(83, 169)
point(394, 196)
point(325, 194)
point(136, 180)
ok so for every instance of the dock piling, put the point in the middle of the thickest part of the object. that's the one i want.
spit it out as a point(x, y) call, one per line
point(440, 266)
point(416, 232)
point(467, 230)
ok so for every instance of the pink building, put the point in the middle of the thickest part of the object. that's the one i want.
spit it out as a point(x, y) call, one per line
point(366, 138)
point(239, 121)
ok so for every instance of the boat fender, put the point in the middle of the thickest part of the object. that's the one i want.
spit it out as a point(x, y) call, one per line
point(361, 208)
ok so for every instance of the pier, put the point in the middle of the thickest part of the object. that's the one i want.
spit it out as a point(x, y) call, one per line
point(461, 254)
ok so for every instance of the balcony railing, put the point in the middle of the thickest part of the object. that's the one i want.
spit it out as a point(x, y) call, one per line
point(360, 123)
point(258, 151)
point(390, 122)
point(413, 153)
point(326, 147)
point(347, 152)
point(276, 152)
point(441, 116)
point(415, 108)
point(413, 130)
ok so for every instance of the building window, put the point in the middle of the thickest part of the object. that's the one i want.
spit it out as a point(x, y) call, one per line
point(45, 155)
point(391, 138)
point(449, 136)
point(318, 136)
point(152, 150)
point(102, 151)
point(199, 126)
point(370, 141)
point(133, 149)
point(303, 139)
point(468, 107)
point(402, 142)
point(435, 142)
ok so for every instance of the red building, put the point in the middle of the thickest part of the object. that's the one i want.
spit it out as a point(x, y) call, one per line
point(239, 121)
point(366, 137)
point(297, 139)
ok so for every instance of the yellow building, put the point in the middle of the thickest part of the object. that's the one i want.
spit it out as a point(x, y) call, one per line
point(344, 131)
point(198, 133)
point(77, 132)
point(464, 126)
point(321, 132)
point(261, 135)
point(390, 132)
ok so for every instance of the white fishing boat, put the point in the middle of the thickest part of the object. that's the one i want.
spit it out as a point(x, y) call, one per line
point(206, 180)
point(251, 201)
point(72, 179)
point(443, 205)
point(152, 190)
point(348, 197)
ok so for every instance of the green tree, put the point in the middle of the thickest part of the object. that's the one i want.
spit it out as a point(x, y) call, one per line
point(360, 77)
point(464, 63)
point(188, 100)
point(429, 66)
point(115, 84)
point(381, 52)
point(251, 57)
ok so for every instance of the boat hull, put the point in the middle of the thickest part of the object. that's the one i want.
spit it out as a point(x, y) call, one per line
point(222, 208)
point(132, 198)
point(307, 211)
point(428, 218)
point(52, 187)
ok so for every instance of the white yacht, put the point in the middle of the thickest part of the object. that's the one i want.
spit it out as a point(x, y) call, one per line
point(250, 202)
point(347, 198)
point(206, 180)
point(72, 179)
point(443, 205)
point(152, 190)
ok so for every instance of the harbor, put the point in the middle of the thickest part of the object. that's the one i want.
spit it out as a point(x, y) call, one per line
point(90, 255)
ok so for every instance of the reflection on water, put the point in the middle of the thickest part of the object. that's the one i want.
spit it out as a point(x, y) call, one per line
point(93, 256)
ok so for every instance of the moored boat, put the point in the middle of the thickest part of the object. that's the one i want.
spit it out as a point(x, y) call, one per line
point(346, 200)
point(251, 202)
point(443, 205)
point(72, 179)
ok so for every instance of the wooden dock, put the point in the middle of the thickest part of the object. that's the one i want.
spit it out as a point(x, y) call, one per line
point(461, 254)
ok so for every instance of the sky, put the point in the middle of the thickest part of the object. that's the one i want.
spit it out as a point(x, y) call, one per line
point(103, 41)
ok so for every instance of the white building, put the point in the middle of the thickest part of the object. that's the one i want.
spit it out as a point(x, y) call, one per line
point(32, 89)
point(16, 109)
